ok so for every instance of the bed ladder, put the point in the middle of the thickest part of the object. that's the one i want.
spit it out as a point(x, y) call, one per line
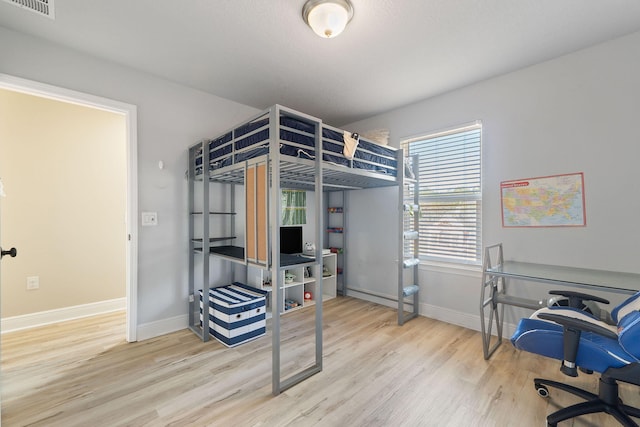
point(409, 243)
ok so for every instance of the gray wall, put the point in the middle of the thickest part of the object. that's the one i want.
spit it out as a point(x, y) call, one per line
point(576, 113)
point(170, 119)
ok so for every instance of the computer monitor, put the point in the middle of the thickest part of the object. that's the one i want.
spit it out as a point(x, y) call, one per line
point(291, 240)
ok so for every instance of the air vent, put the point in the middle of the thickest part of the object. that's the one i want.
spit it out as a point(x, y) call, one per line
point(41, 7)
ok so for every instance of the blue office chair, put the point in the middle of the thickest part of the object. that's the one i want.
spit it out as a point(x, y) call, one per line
point(582, 340)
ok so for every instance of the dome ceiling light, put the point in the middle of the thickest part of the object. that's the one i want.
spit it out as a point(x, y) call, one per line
point(327, 18)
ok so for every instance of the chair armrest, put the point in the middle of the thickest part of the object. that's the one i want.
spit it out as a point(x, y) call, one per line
point(576, 298)
point(572, 328)
point(578, 324)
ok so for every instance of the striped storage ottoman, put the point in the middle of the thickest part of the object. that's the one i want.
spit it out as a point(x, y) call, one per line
point(236, 313)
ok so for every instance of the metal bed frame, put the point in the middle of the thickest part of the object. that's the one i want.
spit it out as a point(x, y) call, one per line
point(283, 172)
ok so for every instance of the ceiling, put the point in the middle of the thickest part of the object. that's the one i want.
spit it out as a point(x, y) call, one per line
point(393, 53)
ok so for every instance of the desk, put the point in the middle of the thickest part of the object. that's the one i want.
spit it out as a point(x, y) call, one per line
point(494, 297)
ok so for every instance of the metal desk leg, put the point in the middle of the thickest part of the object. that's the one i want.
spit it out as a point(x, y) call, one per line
point(491, 309)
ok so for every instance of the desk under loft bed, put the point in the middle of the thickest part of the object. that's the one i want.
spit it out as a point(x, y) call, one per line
point(277, 149)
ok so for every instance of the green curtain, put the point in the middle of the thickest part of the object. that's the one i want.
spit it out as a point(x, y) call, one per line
point(294, 207)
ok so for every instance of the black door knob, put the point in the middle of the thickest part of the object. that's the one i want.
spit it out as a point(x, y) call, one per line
point(11, 252)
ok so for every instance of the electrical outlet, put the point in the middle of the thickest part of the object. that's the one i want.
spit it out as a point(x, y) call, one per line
point(33, 282)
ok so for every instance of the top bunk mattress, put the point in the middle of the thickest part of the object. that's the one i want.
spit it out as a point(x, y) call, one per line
point(296, 138)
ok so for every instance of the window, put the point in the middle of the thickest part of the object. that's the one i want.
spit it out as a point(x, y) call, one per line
point(294, 207)
point(448, 171)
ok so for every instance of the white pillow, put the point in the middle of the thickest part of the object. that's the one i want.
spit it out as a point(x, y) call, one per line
point(379, 136)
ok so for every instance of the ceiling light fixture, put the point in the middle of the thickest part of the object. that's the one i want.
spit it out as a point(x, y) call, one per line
point(327, 18)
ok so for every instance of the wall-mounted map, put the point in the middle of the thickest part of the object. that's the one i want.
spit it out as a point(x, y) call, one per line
point(550, 201)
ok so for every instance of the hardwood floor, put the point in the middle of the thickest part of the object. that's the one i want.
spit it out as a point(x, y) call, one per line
point(425, 373)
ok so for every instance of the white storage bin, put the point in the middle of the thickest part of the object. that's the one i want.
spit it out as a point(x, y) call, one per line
point(237, 313)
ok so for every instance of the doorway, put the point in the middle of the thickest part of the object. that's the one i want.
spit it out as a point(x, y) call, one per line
point(128, 113)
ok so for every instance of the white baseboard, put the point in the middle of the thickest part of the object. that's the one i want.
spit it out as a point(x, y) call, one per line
point(466, 320)
point(161, 327)
point(42, 318)
point(34, 320)
point(459, 318)
point(157, 328)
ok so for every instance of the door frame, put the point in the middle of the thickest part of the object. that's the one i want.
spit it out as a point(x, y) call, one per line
point(131, 224)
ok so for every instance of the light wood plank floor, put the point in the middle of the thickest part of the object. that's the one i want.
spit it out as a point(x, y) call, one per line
point(425, 373)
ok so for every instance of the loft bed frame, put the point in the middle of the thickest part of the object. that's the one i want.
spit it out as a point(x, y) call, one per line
point(277, 149)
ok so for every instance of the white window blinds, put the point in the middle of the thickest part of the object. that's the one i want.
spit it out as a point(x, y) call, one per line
point(449, 175)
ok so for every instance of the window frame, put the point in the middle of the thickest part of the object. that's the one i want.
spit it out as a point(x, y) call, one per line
point(475, 197)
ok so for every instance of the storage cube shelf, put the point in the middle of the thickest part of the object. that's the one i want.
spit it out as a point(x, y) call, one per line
point(237, 313)
point(293, 292)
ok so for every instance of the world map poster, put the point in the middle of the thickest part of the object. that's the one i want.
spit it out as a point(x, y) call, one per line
point(550, 201)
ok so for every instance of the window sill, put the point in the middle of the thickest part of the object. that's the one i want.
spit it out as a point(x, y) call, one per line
point(469, 270)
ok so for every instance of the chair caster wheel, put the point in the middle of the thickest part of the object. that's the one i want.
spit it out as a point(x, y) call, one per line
point(542, 390)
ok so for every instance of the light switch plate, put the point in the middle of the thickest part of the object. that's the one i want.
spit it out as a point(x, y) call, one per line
point(149, 218)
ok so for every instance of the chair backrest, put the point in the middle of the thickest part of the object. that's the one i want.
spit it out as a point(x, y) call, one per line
point(630, 304)
point(629, 333)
